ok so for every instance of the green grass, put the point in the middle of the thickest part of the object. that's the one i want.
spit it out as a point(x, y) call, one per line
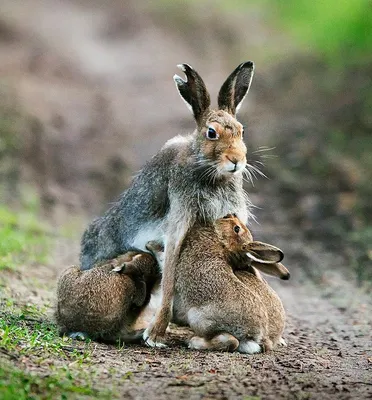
point(25, 330)
point(16, 384)
point(27, 338)
point(23, 238)
point(35, 362)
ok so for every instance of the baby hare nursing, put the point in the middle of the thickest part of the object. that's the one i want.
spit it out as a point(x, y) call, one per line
point(219, 293)
point(227, 309)
point(106, 301)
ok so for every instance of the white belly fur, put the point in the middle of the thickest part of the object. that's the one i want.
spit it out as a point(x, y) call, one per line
point(151, 231)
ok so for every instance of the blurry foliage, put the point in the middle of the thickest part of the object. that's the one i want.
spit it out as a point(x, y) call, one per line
point(10, 143)
point(341, 30)
point(23, 238)
point(360, 253)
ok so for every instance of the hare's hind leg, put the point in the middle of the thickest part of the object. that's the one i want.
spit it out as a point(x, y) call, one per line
point(249, 347)
point(221, 342)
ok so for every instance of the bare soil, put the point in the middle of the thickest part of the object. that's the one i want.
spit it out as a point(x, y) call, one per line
point(328, 356)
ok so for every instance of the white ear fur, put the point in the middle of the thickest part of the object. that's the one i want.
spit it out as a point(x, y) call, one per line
point(118, 268)
point(193, 91)
point(241, 101)
point(259, 260)
point(235, 88)
point(177, 79)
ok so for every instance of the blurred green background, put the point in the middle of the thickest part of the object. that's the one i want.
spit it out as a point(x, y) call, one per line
point(87, 96)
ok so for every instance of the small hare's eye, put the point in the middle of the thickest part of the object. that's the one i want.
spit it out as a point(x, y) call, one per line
point(236, 228)
point(211, 134)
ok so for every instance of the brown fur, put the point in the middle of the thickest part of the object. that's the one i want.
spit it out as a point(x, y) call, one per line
point(104, 302)
point(213, 300)
point(230, 145)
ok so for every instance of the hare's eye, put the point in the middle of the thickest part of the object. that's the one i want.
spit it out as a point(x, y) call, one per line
point(236, 228)
point(211, 134)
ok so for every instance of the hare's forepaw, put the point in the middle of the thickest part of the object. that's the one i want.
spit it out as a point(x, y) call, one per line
point(78, 336)
point(154, 334)
point(153, 340)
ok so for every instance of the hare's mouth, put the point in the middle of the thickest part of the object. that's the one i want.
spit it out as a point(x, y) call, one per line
point(232, 167)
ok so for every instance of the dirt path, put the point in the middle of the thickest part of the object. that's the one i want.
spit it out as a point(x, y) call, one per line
point(328, 355)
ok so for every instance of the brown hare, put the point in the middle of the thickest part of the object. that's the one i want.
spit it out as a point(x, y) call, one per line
point(106, 302)
point(228, 309)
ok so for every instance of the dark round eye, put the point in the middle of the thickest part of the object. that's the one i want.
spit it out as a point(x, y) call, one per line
point(211, 134)
point(236, 228)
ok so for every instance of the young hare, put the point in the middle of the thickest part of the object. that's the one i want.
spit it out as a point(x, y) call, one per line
point(198, 177)
point(228, 310)
point(106, 301)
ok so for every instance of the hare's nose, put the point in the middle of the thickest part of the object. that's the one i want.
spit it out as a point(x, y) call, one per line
point(234, 160)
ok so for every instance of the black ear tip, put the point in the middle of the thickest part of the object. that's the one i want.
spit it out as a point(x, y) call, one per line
point(285, 277)
point(185, 67)
point(281, 256)
point(247, 64)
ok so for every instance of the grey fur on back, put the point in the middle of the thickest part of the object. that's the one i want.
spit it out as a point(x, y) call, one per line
point(147, 202)
point(171, 190)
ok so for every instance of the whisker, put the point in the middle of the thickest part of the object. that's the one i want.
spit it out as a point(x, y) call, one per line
point(253, 169)
point(267, 156)
point(262, 149)
point(259, 162)
point(249, 176)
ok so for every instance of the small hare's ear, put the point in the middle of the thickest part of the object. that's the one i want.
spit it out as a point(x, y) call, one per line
point(193, 92)
point(275, 269)
point(263, 253)
point(155, 246)
point(235, 88)
point(119, 268)
point(157, 250)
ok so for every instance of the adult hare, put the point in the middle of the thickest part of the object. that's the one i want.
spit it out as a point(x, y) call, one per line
point(198, 177)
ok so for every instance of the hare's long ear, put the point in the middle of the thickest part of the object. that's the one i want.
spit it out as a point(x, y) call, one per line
point(193, 91)
point(235, 88)
point(275, 269)
point(264, 253)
